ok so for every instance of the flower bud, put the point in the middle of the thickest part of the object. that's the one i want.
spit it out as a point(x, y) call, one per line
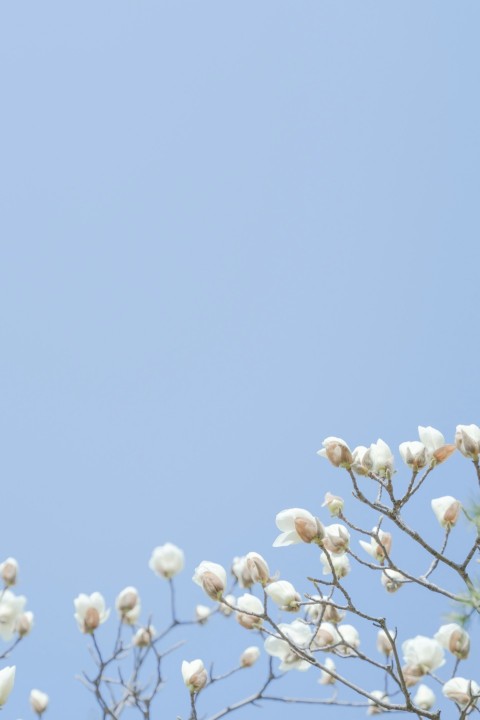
point(411, 674)
point(241, 572)
point(337, 539)
point(7, 679)
point(249, 611)
point(424, 698)
point(337, 451)
point(384, 644)
point(340, 563)
point(447, 510)
point(9, 571)
point(350, 640)
point(309, 530)
point(455, 639)
point(257, 568)
point(202, 613)
point(392, 580)
point(463, 692)
point(194, 675)
point(326, 635)
point(212, 578)
point(379, 459)
point(373, 708)
point(167, 561)
point(250, 656)
point(325, 677)
point(38, 701)
point(415, 454)
point(128, 605)
point(24, 623)
point(90, 611)
point(284, 595)
point(378, 550)
point(286, 521)
point(358, 465)
point(144, 636)
point(334, 503)
point(467, 440)
point(321, 609)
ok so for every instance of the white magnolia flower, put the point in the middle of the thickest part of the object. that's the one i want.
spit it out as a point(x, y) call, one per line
point(392, 580)
point(212, 578)
point(337, 451)
point(447, 510)
point(258, 568)
point(467, 440)
point(297, 525)
point(144, 636)
point(324, 610)
point(300, 635)
point(358, 456)
point(349, 640)
point(9, 571)
point(225, 609)
point(383, 643)
point(325, 677)
point(455, 639)
point(379, 459)
point(415, 454)
point(373, 707)
point(250, 656)
point(90, 611)
point(431, 438)
point(194, 675)
point(424, 698)
point(334, 503)
point(24, 623)
point(249, 611)
point(337, 538)
point(241, 572)
point(7, 679)
point(167, 560)
point(374, 548)
point(423, 653)
point(284, 595)
point(11, 607)
point(464, 692)
point(38, 701)
point(326, 635)
point(128, 605)
point(341, 564)
point(202, 613)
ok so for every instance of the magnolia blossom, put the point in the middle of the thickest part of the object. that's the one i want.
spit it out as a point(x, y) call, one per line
point(423, 653)
point(284, 595)
point(467, 440)
point(24, 623)
point(227, 609)
point(415, 454)
point(337, 451)
point(334, 503)
point(38, 701)
point(424, 698)
point(455, 639)
point(300, 635)
point(194, 675)
point(464, 692)
point(446, 509)
point(373, 707)
point(349, 640)
point(337, 538)
point(358, 456)
point(202, 613)
point(212, 578)
point(297, 525)
point(128, 605)
point(249, 611)
point(167, 560)
point(241, 572)
point(323, 610)
point(374, 548)
point(250, 656)
point(340, 563)
point(7, 679)
point(90, 611)
point(325, 677)
point(258, 568)
point(379, 459)
point(384, 644)
point(392, 580)
point(144, 636)
point(9, 571)
point(11, 607)
point(435, 444)
point(326, 635)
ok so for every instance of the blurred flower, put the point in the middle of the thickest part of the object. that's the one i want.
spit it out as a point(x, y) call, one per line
point(373, 708)
point(194, 675)
point(241, 572)
point(24, 623)
point(324, 610)
point(379, 459)
point(90, 611)
point(423, 653)
point(414, 454)
point(464, 692)
point(297, 525)
point(284, 595)
point(247, 604)
point(212, 578)
point(144, 636)
point(349, 640)
point(455, 639)
point(167, 560)
point(467, 440)
point(325, 635)
point(337, 451)
point(250, 656)
point(224, 609)
point(128, 605)
point(257, 568)
point(446, 509)
point(340, 563)
point(374, 548)
point(202, 613)
point(11, 606)
point(334, 503)
point(424, 698)
point(38, 701)
point(383, 643)
point(325, 677)
point(358, 464)
point(392, 580)
point(7, 679)
point(9, 571)
point(337, 538)
point(299, 635)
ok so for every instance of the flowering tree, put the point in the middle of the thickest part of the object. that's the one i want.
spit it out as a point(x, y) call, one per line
point(405, 674)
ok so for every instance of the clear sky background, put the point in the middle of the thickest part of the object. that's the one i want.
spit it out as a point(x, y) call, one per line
point(228, 230)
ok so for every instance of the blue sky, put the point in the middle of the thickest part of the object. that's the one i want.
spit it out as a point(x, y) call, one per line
point(228, 231)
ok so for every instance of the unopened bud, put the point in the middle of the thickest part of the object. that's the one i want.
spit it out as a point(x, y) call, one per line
point(91, 620)
point(24, 623)
point(144, 636)
point(38, 701)
point(202, 613)
point(250, 656)
point(258, 568)
point(459, 644)
point(309, 530)
point(9, 571)
point(334, 503)
point(384, 644)
point(212, 585)
point(194, 675)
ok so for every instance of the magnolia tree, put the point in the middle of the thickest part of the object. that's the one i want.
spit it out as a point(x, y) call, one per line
point(318, 626)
